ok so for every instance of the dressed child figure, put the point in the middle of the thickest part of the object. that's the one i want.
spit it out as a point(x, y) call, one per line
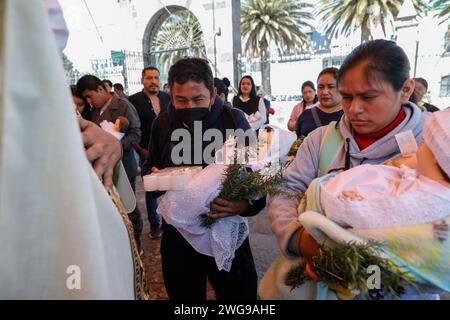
point(380, 196)
point(118, 128)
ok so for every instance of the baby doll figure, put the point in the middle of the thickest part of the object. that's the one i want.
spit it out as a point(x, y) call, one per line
point(122, 124)
point(118, 128)
point(381, 196)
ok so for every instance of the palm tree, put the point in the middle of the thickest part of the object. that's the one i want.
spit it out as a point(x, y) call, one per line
point(346, 16)
point(281, 22)
point(444, 7)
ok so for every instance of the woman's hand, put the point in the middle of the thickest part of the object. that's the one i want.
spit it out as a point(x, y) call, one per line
point(308, 245)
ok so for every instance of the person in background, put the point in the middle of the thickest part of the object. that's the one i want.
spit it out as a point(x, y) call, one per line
point(166, 89)
point(227, 84)
point(149, 103)
point(106, 106)
point(82, 106)
point(419, 93)
point(108, 85)
point(329, 107)
point(252, 105)
point(118, 90)
point(309, 100)
point(269, 110)
point(221, 91)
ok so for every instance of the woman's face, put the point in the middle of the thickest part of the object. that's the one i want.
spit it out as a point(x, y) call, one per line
point(79, 103)
point(308, 94)
point(246, 86)
point(371, 105)
point(420, 91)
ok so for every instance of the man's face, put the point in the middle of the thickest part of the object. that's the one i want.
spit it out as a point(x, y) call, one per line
point(166, 89)
point(327, 91)
point(96, 98)
point(191, 95)
point(151, 81)
point(118, 92)
point(107, 86)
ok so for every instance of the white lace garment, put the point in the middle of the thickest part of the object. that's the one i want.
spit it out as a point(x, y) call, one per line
point(378, 196)
point(182, 209)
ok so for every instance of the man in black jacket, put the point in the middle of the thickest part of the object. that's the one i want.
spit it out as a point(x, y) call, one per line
point(184, 269)
point(149, 103)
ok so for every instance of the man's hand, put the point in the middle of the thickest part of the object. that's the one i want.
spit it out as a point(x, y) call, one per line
point(103, 150)
point(224, 208)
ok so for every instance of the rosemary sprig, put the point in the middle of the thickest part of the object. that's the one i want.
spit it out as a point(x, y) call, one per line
point(344, 268)
point(241, 184)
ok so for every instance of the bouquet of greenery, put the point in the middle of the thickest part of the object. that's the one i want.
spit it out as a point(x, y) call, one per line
point(240, 183)
point(343, 268)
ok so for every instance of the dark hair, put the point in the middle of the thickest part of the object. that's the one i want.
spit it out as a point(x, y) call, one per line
point(311, 85)
point(226, 81)
point(73, 89)
point(252, 91)
point(88, 82)
point(382, 57)
point(108, 82)
point(150, 68)
point(118, 86)
point(333, 71)
point(422, 81)
point(308, 84)
point(86, 114)
point(220, 86)
point(191, 69)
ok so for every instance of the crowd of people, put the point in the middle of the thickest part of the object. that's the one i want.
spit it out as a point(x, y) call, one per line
point(369, 112)
point(367, 102)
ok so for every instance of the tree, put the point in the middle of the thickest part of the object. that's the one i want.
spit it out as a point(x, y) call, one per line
point(281, 22)
point(180, 35)
point(346, 16)
point(444, 7)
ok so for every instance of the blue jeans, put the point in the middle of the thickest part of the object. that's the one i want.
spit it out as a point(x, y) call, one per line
point(152, 205)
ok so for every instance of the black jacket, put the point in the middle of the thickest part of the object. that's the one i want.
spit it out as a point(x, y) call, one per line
point(146, 113)
point(161, 146)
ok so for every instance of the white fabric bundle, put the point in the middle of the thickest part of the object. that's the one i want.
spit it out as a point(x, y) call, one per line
point(182, 209)
point(61, 236)
point(109, 127)
point(378, 196)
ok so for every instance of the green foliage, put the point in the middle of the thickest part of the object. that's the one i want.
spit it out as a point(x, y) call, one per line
point(345, 266)
point(346, 16)
point(282, 21)
point(240, 184)
point(444, 7)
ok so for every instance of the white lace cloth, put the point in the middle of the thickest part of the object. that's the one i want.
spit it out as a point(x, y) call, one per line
point(182, 209)
point(377, 196)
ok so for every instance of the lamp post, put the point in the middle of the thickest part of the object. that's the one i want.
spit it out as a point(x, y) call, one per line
point(214, 30)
